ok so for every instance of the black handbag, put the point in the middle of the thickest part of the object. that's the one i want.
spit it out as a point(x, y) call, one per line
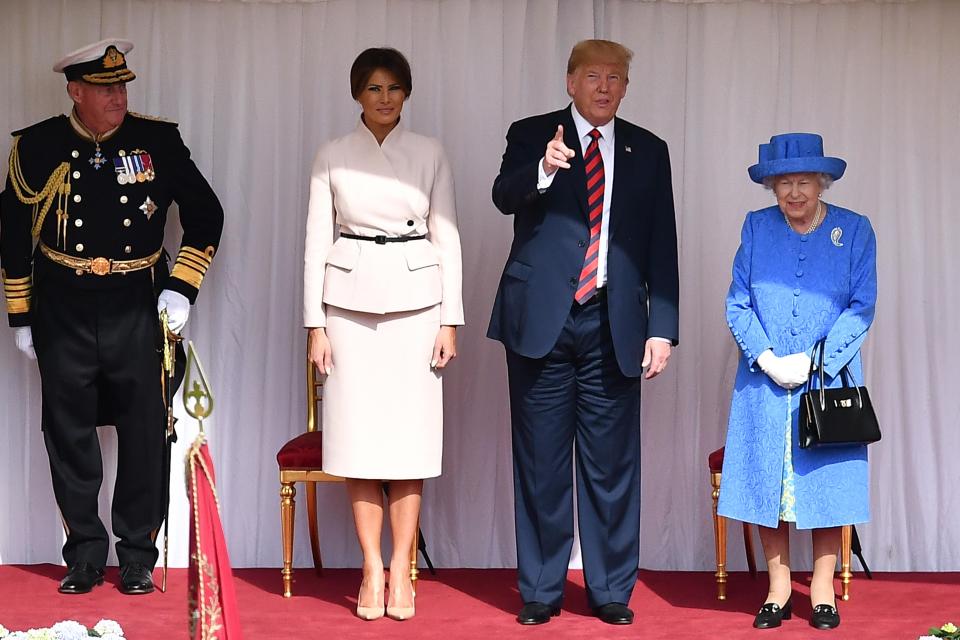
point(834, 417)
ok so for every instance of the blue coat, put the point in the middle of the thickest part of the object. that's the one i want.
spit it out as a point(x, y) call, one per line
point(788, 291)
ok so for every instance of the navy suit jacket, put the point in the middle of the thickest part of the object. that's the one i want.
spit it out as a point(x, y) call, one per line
point(551, 233)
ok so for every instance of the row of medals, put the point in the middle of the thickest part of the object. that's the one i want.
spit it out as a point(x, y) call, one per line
point(141, 176)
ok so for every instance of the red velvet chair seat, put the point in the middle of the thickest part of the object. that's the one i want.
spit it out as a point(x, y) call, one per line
point(303, 452)
point(715, 461)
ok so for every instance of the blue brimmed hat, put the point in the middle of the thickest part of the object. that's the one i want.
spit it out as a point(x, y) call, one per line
point(795, 153)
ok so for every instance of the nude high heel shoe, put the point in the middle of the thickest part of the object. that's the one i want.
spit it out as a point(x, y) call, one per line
point(369, 613)
point(402, 613)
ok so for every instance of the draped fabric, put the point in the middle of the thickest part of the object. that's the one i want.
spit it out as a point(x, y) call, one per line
point(258, 86)
point(211, 595)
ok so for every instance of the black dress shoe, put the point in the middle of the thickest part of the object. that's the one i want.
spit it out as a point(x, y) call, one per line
point(135, 579)
point(615, 613)
point(771, 615)
point(536, 613)
point(81, 578)
point(825, 617)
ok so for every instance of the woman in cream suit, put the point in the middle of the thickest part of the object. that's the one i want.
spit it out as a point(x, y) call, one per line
point(382, 303)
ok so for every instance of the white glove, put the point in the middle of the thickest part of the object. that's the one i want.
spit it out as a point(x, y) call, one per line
point(787, 371)
point(24, 337)
point(177, 306)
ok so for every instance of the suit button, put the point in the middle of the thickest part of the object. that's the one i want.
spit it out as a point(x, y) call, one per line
point(75, 154)
point(123, 199)
point(581, 243)
point(126, 222)
point(127, 249)
point(78, 222)
point(573, 282)
point(76, 175)
point(77, 198)
point(409, 223)
point(79, 247)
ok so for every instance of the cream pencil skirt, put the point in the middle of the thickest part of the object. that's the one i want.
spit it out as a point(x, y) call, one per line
point(382, 403)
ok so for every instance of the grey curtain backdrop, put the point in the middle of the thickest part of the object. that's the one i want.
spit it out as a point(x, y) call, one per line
point(258, 86)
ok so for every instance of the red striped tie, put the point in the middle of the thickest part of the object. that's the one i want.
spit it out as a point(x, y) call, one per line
point(593, 163)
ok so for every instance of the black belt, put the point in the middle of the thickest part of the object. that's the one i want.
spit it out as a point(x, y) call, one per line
point(382, 239)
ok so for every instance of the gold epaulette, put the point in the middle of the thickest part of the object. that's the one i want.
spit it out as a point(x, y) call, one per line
point(153, 118)
point(192, 265)
point(17, 291)
point(57, 186)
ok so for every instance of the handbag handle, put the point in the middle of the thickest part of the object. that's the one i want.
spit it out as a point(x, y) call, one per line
point(816, 366)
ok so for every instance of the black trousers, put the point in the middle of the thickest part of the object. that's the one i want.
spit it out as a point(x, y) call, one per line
point(576, 395)
point(99, 361)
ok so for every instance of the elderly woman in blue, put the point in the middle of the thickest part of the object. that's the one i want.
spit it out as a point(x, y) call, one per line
point(805, 269)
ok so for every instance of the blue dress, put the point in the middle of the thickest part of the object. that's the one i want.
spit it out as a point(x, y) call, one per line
point(788, 291)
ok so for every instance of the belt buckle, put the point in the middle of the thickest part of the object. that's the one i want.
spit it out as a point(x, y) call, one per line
point(100, 266)
point(380, 239)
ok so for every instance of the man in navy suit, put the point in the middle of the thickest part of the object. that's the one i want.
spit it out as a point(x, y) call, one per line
point(587, 301)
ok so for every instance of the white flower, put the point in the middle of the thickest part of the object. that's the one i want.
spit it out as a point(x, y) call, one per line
point(70, 630)
point(17, 635)
point(108, 627)
point(111, 636)
point(41, 634)
point(4, 632)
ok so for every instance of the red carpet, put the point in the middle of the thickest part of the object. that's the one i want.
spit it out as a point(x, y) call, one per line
point(473, 603)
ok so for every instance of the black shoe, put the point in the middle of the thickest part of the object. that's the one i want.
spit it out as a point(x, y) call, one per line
point(825, 617)
point(536, 613)
point(615, 613)
point(771, 615)
point(81, 578)
point(135, 579)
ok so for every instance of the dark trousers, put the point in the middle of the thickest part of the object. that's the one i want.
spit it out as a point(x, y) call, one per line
point(98, 358)
point(576, 394)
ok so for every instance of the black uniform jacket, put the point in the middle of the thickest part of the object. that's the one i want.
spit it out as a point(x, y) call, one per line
point(61, 194)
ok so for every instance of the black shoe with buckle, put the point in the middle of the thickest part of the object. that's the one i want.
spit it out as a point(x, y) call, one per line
point(825, 616)
point(615, 613)
point(81, 578)
point(771, 615)
point(136, 579)
point(536, 613)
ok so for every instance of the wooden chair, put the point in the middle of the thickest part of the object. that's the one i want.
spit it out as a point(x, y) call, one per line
point(715, 463)
point(300, 460)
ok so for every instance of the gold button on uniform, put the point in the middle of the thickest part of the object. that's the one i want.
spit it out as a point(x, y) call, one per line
point(77, 198)
point(123, 199)
point(78, 222)
point(127, 249)
point(126, 222)
point(79, 246)
point(76, 174)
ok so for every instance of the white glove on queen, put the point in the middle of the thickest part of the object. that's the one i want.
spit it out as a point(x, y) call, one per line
point(787, 371)
point(24, 338)
point(177, 306)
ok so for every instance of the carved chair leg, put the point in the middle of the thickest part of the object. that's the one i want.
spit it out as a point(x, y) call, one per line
point(846, 537)
point(748, 547)
point(719, 539)
point(314, 526)
point(413, 558)
point(288, 493)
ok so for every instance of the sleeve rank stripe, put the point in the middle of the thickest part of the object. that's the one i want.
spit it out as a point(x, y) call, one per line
point(194, 253)
point(187, 262)
point(18, 305)
point(188, 274)
point(23, 288)
point(17, 280)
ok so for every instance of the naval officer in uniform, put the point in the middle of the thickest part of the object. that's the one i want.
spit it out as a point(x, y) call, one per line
point(82, 218)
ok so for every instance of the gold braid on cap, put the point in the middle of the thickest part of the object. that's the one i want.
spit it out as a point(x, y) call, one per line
point(57, 186)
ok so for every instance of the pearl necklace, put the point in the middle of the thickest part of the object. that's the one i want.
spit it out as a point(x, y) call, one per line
point(817, 219)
